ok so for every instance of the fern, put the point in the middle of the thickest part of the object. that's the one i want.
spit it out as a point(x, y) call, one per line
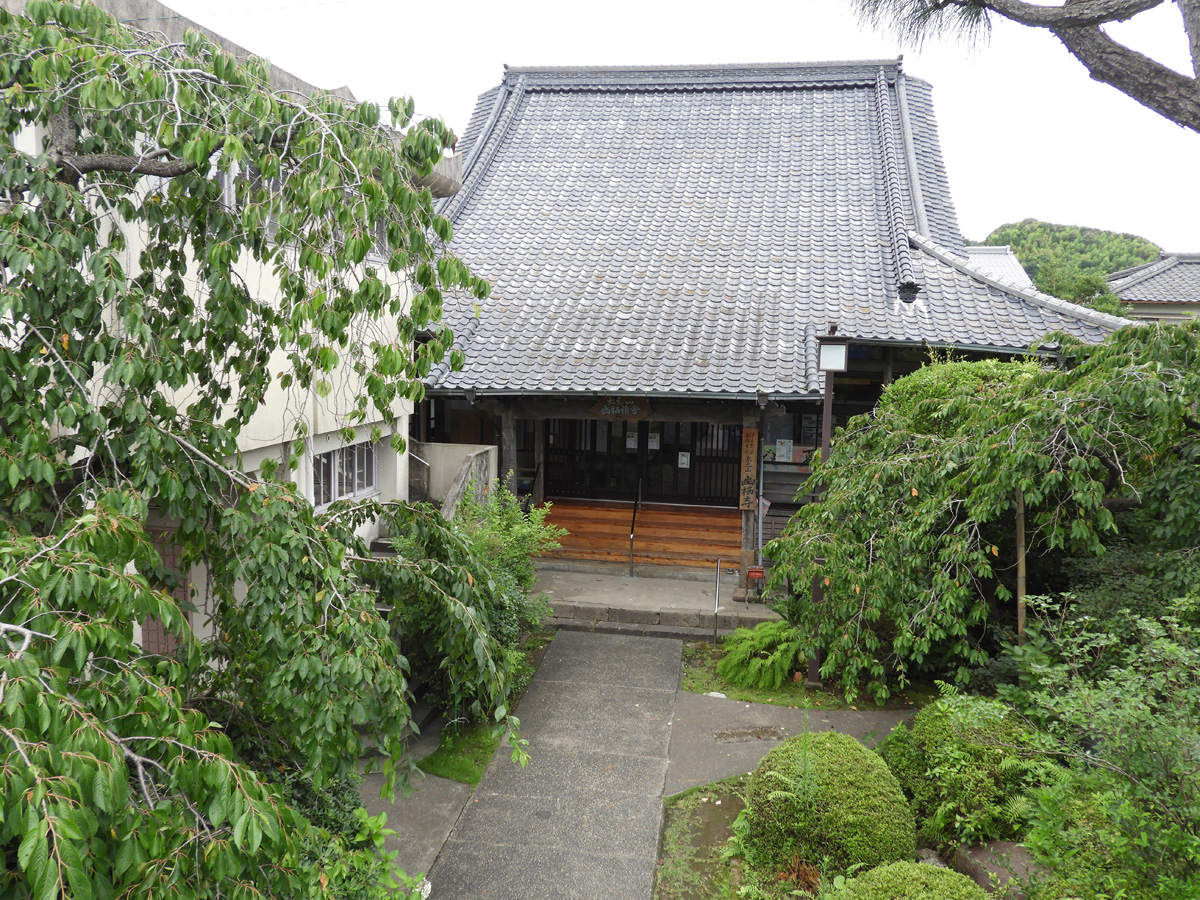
point(762, 657)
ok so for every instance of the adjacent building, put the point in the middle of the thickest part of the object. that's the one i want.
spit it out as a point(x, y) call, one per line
point(1166, 290)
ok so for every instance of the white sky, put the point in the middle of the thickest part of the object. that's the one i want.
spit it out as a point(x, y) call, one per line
point(1024, 131)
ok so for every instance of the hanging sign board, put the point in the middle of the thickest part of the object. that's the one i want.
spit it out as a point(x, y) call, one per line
point(628, 409)
point(748, 480)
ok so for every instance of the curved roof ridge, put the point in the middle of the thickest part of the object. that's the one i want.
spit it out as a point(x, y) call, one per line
point(705, 67)
point(489, 140)
point(897, 223)
point(1127, 278)
point(910, 156)
point(1036, 297)
point(703, 77)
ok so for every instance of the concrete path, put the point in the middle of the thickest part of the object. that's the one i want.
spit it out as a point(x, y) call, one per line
point(581, 822)
point(714, 737)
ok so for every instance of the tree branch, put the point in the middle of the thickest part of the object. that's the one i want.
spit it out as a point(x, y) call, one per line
point(74, 167)
point(1150, 83)
point(1073, 13)
point(1191, 24)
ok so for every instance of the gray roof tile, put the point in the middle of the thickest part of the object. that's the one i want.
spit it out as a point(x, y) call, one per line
point(1000, 263)
point(692, 229)
point(1172, 278)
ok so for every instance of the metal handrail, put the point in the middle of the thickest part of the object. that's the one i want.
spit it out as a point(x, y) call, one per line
point(633, 524)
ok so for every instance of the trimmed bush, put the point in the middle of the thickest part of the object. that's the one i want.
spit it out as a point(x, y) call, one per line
point(826, 800)
point(965, 770)
point(904, 758)
point(911, 881)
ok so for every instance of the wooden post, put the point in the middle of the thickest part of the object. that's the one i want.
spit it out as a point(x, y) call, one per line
point(1020, 566)
point(539, 462)
point(508, 444)
point(748, 500)
point(827, 417)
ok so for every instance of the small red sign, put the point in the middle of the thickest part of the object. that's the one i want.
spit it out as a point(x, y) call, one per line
point(754, 572)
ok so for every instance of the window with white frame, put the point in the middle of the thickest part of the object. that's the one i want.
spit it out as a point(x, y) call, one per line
point(343, 473)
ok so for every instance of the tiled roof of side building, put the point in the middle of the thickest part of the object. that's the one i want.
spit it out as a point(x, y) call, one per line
point(691, 229)
point(1172, 278)
point(1000, 263)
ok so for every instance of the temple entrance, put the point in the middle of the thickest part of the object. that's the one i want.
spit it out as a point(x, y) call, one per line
point(667, 462)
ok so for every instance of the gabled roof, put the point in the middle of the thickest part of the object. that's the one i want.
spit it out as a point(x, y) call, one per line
point(1172, 278)
point(691, 229)
point(1000, 263)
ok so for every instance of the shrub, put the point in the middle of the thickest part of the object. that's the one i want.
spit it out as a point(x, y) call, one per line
point(904, 759)
point(921, 396)
point(825, 800)
point(977, 765)
point(502, 531)
point(340, 842)
point(1124, 818)
point(1076, 832)
point(763, 657)
point(910, 881)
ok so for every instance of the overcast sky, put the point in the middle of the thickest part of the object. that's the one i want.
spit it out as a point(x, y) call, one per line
point(1024, 131)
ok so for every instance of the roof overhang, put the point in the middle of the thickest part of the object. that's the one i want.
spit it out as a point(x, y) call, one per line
point(716, 396)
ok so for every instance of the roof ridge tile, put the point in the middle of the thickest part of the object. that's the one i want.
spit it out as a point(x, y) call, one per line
point(905, 275)
point(1046, 301)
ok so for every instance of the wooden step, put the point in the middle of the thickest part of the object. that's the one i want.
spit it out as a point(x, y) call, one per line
point(664, 534)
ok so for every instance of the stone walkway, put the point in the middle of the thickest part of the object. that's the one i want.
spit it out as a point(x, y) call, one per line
point(610, 735)
point(581, 822)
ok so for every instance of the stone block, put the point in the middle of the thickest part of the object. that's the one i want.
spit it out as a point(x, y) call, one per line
point(564, 609)
point(685, 618)
point(729, 620)
point(591, 611)
point(994, 864)
point(633, 616)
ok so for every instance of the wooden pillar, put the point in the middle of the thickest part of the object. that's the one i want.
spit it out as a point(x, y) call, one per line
point(508, 444)
point(539, 461)
point(750, 420)
point(827, 417)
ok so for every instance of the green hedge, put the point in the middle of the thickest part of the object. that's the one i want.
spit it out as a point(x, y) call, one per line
point(829, 801)
point(911, 881)
point(966, 770)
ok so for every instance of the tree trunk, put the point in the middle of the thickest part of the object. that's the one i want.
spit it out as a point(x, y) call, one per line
point(1020, 566)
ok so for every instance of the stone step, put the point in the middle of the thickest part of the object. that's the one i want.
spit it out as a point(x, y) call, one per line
point(729, 617)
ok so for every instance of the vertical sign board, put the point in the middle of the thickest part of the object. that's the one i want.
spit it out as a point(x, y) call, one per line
point(748, 479)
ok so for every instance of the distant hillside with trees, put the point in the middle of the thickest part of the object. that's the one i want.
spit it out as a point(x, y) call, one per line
point(1072, 262)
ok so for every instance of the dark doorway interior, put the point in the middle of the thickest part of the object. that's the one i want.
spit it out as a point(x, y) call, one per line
point(666, 462)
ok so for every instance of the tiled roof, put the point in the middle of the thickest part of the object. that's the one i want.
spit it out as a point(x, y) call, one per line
point(690, 230)
point(1000, 263)
point(1172, 278)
